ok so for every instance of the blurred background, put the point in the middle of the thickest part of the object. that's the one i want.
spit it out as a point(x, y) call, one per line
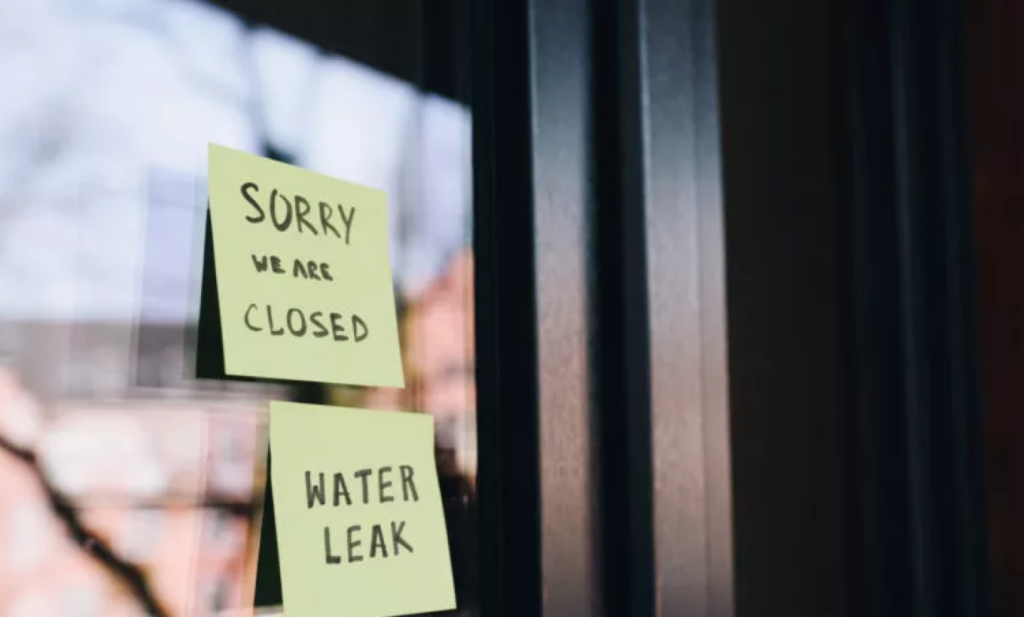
point(127, 487)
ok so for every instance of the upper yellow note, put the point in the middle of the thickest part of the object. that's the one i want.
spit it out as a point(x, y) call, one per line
point(303, 274)
point(360, 524)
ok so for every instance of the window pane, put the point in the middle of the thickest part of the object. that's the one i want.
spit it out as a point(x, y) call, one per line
point(105, 435)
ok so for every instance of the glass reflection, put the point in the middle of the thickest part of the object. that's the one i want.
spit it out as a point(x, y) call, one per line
point(128, 487)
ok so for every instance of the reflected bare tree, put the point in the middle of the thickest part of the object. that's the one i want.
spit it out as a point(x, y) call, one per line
point(128, 573)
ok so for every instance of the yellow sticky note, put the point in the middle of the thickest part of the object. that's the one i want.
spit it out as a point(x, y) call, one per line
point(360, 526)
point(303, 274)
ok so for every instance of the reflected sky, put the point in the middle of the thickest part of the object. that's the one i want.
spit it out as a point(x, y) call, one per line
point(133, 92)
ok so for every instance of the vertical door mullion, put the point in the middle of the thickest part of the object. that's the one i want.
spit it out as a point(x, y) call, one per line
point(534, 297)
point(670, 281)
point(560, 47)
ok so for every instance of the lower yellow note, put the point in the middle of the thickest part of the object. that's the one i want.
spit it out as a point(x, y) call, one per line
point(360, 526)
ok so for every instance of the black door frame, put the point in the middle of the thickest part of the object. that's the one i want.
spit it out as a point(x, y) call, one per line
point(917, 378)
point(604, 456)
point(784, 413)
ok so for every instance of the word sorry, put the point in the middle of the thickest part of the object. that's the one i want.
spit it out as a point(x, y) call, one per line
point(383, 491)
point(298, 210)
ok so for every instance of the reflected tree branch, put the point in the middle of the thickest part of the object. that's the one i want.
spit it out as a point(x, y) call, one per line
point(128, 573)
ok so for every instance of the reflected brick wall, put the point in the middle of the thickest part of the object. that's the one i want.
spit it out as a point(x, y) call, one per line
point(437, 350)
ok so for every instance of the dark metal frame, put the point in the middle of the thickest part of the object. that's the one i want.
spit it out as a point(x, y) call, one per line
point(533, 198)
point(668, 537)
point(918, 392)
point(601, 341)
point(838, 469)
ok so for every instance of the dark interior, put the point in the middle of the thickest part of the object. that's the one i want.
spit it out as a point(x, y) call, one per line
point(996, 92)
